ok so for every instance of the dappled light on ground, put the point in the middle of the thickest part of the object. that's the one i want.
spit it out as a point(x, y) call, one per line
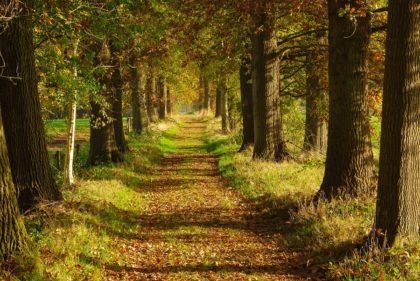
point(194, 227)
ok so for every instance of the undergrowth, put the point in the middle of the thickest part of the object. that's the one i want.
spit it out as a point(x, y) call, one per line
point(334, 232)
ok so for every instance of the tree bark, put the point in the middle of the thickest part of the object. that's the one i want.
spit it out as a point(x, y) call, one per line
point(218, 104)
point(21, 112)
point(71, 130)
point(224, 104)
point(200, 95)
point(398, 202)
point(71, 137)
point(103, 148)
point(206, 98)
point(143, 95)
point(169, 101)
point(135, 95)
point(117, 114)
point(269, 139)
point(315, 140)
point(247, 105)
point(162, 102)
point(349, 167)
point(151, 94)
point(12, 229)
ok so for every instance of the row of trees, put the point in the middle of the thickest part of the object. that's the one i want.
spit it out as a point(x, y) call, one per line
point(87, 54)
point(349, 167)
point(77, 54)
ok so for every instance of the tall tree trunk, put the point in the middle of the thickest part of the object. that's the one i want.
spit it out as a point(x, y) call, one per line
point(224, 104)
point(247, 106)
point(71, 130)
point(12, 229)
point(21, 112)
point(349, 168)
point(232, 111)
point(103, 148)
point(143, 95)
point(200, 97)
point(162, 102)
point(218, 104)
point(398, 203)
point(151, 94)
point(315, 125)
point(269, 139)
point(169, 101)
point(117, 96)
point(135, 95)
point(71, 137)
point(206, 98)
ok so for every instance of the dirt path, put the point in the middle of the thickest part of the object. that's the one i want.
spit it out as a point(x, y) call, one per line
point(195, 228)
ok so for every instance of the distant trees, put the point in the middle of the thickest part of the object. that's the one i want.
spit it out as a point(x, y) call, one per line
point(138, 97)
point(224, 110)
point(162, 98)
point(315, 139)
point(151, 94)
point(206, 98)
point(398, 202)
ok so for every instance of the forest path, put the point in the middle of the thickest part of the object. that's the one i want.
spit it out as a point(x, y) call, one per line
point(194, 227)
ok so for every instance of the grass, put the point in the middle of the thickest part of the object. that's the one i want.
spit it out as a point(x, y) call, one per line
point(76, 239)
point(330, 231)
point(61, 124)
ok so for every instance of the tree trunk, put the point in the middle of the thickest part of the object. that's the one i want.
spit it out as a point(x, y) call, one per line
point(206, 98)
point(135, 95)
point(201, 96)
point(349, 168)
point(224, 105)
point(117, 114)
point(151, 95)
point(169, 101)
point(21, 112)
point(398, 203)
point(71, 136)
point(247, 106)
point(71, 131)
point(315, 125)
point(162, 102)
point(269, 140)
point(12, 229)
point(103, 148)
point(218, 106)
point(232, 112)
point(143, 95)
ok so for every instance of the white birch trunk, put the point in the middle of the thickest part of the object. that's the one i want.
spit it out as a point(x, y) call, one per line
point(71, 134)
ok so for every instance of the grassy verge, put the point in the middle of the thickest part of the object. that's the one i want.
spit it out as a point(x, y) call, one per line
point(76, 239)
point(330, 231)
